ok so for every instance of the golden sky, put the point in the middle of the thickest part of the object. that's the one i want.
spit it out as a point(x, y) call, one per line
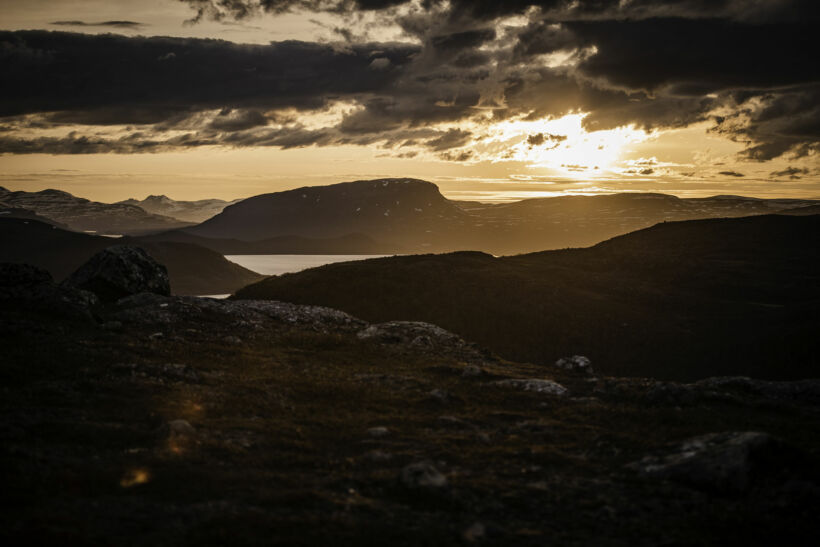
point(492, 105)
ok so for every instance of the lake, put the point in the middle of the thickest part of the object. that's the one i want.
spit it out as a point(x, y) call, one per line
point(280, 264)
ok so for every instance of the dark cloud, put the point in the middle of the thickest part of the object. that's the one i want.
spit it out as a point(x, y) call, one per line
point(55, 71)
point(540, 138)
point(650, 63)
point(731, 174)
point(794, 173)
point(114, 24)
point(454, 138)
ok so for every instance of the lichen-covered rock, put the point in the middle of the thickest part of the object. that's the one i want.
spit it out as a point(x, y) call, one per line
point(534, 384)
point(724, 462)
point(417, 336)
point(121, 271)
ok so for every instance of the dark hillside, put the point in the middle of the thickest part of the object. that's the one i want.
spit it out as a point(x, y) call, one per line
point(680, 300)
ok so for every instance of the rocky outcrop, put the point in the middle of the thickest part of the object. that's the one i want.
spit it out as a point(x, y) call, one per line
point(120, 271)
point(548, 387)
point(421, 336)
point(723, 462)
point(22, 285)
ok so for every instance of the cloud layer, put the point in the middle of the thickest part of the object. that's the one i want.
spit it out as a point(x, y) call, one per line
point(748, 67)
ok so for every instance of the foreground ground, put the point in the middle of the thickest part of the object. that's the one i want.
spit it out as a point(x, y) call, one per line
point(160, 421)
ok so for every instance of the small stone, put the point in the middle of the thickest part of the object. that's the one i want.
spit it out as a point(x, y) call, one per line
point(235, 340)
point(422, 475)
point(379, 456)
point(379, 431)
point(474, 532)
point(156, 336)
point(472, 371)
point(440, 395)
point(180, 428)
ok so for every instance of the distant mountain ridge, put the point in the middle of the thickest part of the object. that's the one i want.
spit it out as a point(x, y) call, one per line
point(677, 301)
point(412, 216)
point(89, 216)
point(187, 211)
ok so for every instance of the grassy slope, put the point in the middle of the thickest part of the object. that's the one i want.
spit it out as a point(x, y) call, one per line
point(281, 454)
point(679, 300)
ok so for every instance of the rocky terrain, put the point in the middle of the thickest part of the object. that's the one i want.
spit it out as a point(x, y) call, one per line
point(82, 215)
point(412, 216)
point(158, 419)
point(193, 269)
point(186, 211)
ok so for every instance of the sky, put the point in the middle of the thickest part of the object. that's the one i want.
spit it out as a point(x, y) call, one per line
point(493, 101)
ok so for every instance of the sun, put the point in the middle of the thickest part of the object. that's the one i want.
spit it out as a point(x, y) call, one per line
point(564, 145)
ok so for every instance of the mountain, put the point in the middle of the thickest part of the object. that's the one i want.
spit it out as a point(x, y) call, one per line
point(186, 211)
point(192, 269)
point(679, 300)
point(409, 215)
point(404, 212)
point(83, 215)
point(7, 211)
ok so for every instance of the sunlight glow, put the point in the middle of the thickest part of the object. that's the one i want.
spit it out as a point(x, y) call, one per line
point(563, 144)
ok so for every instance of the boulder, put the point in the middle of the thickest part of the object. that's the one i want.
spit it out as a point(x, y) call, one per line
point(721, 462)
point(121, 271)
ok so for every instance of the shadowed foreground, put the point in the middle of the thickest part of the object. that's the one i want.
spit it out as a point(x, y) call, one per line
point(178, 420)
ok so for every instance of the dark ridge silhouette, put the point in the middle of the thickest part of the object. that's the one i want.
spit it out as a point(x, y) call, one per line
point(679, 300)
point(191, 268)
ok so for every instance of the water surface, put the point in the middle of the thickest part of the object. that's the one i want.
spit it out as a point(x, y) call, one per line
point(280, 264)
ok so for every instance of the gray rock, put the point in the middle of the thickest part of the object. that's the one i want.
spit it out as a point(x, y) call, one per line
point(576, 363)
point(723, 462)
point(472, 371)
point(378, 431)
point(440, 395)
point(180, 428)
point(533, 384)
point(422, 475)
point(121, 271)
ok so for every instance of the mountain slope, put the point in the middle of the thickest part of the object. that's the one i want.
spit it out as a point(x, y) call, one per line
point(408, 215)
point(187, 211)
point(192, 269)
point(680, 300)
point(89, 216)
point(400, 211)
